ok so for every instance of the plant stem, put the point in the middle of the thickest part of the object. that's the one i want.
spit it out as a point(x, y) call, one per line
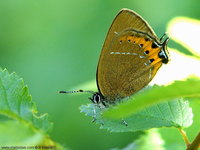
point(185, 138)
point(195, 144)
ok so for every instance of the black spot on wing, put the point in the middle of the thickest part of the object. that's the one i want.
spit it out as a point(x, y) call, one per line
point(154, 45)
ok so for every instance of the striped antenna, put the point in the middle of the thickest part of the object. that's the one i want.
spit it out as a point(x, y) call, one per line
point(78, 91)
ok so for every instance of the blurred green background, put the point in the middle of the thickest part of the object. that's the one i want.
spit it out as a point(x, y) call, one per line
point(55, 45)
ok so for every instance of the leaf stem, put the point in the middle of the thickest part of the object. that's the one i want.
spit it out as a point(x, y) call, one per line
point(185, 138)
point(195, 144)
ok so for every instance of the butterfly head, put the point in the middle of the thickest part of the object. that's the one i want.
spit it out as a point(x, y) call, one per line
point(97, 98)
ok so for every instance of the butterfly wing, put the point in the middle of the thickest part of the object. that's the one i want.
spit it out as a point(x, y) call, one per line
point(127, 19)
point(129, 58)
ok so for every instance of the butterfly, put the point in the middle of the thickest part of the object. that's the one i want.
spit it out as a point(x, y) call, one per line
point(130, 58)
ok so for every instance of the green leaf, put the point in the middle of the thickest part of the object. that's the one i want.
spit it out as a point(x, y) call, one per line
point(175, 113)
point(157, 94)
point(16, 102)
point(23, 136)
point(19, 123)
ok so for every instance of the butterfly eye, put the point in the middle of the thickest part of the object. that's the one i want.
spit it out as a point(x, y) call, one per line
point(96, 98)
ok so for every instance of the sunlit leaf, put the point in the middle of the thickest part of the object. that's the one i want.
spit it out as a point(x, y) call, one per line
point(157, 94)
point(186, 32)
point(149, 141)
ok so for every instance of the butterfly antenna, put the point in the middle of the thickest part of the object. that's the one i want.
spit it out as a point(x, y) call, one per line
point(77, 91)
